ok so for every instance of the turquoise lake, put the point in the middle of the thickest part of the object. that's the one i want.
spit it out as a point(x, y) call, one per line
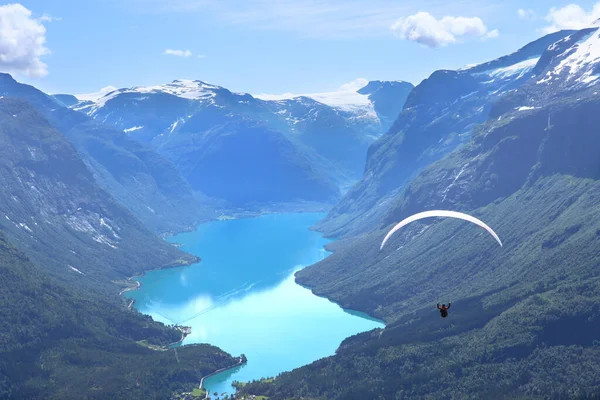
point(242, 296)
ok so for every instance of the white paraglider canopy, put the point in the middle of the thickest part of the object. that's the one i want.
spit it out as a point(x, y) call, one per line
point(439, 213)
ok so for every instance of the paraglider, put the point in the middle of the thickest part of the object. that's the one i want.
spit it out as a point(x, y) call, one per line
point(439, 213)
point(443, 309)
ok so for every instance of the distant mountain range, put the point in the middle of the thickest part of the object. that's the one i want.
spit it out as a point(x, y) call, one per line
point(323, 137)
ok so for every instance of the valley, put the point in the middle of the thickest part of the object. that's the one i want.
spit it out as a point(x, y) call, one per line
point(183, 239)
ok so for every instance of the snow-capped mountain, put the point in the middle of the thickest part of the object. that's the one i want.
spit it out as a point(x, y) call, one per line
point(375, 100)
point(439, 115)
point(574, 61)
point(569, 66)
point(336, 127)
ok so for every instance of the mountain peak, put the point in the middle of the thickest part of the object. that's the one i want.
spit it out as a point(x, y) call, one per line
point(184, 88)
point(577, 61)
point(373, 86)
point(96, 95)
point(6, 76)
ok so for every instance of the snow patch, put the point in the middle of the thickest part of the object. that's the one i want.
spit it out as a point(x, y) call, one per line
point(580, 63)
point(75, 269)
point(173, 126)
point(547, 78)
point(79, 224)
point(184, 88)
point(96, 95)
point(24, 226)
point(134, 128)
point(101, 102)
point(445, 192)
point(525, 108)
point(110, 228)
point(84, 107)
point(104, 240)
point(468, 95)
point(519, 69)
point(346, 97)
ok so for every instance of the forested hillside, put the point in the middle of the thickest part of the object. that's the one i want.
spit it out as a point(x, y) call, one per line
point(58, 342)
point(524, 320)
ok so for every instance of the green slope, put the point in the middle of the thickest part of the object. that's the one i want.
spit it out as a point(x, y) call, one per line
point(64, 331)
point(524, 321)
point(57, 343)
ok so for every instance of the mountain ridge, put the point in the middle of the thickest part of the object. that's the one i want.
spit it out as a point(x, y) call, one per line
point(438, 116)
point(147, 183)
point(331, 130)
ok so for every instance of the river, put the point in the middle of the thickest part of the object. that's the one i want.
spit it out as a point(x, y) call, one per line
point(242, 296)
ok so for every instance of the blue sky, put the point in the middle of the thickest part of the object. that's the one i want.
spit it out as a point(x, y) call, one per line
point(267, 46)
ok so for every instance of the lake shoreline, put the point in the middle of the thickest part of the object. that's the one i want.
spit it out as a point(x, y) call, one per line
point(265, 209)
point(319, 208)
point(250, 215)
point(348, 310)
point(240, 362)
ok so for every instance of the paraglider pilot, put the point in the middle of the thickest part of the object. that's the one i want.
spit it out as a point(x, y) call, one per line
point(443, 309)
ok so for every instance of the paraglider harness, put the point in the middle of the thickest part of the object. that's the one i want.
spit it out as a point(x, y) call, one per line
point(443, 309)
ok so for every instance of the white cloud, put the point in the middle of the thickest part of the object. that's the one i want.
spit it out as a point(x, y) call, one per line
point(354, 85)
point(201, 56)
point(494, 33)
point(571, 16)
point(48, 18)
point(22, 42)
point(178, 53)
point(526, 14)
point(424, 28)
point(312, 18)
